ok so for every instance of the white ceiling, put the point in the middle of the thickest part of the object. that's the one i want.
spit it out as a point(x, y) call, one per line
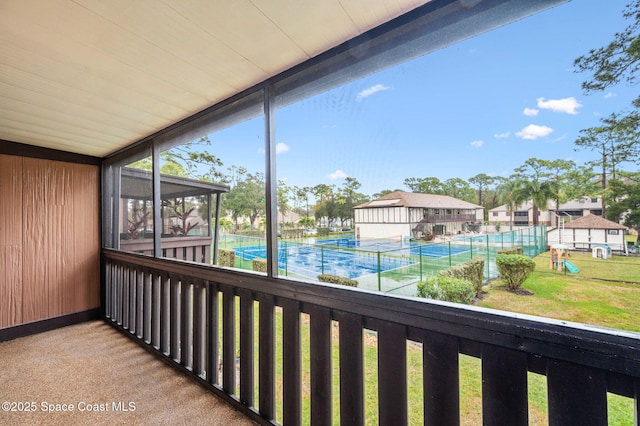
point(92, 76)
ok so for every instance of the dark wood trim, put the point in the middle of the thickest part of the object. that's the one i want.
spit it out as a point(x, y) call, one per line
point(32, 151)
point(48, 324)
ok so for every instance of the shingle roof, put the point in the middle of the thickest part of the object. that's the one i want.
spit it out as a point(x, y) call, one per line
point(592, 221)
point(413, 199)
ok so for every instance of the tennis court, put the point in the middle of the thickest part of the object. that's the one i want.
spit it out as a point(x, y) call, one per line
point(347, 257)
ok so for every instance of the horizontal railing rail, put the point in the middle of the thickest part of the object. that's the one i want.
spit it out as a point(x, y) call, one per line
point(219, 325)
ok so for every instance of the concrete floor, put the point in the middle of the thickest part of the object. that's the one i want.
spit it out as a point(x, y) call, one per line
point(92, 374)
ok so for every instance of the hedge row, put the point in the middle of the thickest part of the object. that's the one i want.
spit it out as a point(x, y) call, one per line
point(334, 279)
point(512, 250)
point(227, 257)
point(448, 289)
point(471, 270)
point(259, 265)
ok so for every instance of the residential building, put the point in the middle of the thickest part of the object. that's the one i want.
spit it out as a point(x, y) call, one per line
point(523, 214)
point(586, 232)
point(417, 216)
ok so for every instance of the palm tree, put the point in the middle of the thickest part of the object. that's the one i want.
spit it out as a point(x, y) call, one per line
point(539, 193)
point(507, 191)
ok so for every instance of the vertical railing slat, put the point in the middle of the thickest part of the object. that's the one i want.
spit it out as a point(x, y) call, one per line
point(165, 314)
point(321, 372)
point(441, 380)
point(228, 340)
point(504, 386)
point(577, 394)
point(137, 303)
point(246, 348)
point(392, 373)
point(266, 348)
point(147, 306)
point(291, 360)
point(213, 358)
point(186, 329)
point(155, 308)
point(198, 321)
point(174, 318)
point(351, 369)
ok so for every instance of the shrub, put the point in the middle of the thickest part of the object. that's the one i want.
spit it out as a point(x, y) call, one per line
point(259, 265)
point(323, 232)
point(514, 269)
point(471, 270)
point(512, 250)
point(227, 257)
point(448, 289)
point(334, 279)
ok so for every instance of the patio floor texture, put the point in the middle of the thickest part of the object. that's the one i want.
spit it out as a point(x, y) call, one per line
point(102, 376)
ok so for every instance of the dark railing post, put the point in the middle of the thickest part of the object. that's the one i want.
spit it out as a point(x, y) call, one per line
point(577, 395)
point(291, 359)
point(441, 379)
point(321, 372)
point(392, 374)
point(228, 340)
point(266, 336)
point(246, 347)
point(504, 386)
point(351, 370)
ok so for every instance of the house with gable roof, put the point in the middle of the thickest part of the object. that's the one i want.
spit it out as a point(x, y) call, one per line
point(417, 216)
point(589, 231)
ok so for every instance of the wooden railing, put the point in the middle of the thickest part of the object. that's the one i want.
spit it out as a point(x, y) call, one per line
point(189, 313)
point(191, 248)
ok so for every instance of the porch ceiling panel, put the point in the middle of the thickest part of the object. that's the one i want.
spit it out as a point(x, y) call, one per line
point(92, 76)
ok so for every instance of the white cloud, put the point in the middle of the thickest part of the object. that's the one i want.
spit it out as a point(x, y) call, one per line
point(530, 112)
point(533, 132)
point(477, 144)
point(371, 90)
point(610, 95)
point(338, 174)
point(566, 105)
point(502, 135)
point(281, 148)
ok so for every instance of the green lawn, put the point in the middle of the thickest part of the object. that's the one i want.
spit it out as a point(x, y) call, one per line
point(556, 295)
point(576, 297)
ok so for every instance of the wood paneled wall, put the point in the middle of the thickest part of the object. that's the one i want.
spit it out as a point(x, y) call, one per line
point(49, 239)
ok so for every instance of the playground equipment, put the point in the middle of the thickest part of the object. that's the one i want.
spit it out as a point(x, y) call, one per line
point(559, 255)
point(601, 252)
point(573, 269)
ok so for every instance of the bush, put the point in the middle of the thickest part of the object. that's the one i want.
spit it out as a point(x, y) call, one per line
point(334, 279)
point(259, 265)
point(471, 270)
point(512, 250)
point(227, 257)
point(448, 289)
point(514, 269)
point(323, 232)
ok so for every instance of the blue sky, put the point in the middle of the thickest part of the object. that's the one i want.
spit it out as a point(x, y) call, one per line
point(484, 105)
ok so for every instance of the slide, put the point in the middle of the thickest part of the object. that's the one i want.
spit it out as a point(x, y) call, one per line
point(571, 267)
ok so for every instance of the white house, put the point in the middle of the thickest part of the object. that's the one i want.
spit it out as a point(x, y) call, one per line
point(523, 214)
point(413, 215)
point(588, 231)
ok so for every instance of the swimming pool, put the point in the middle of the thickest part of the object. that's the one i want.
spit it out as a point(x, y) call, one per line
point(311, 261)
